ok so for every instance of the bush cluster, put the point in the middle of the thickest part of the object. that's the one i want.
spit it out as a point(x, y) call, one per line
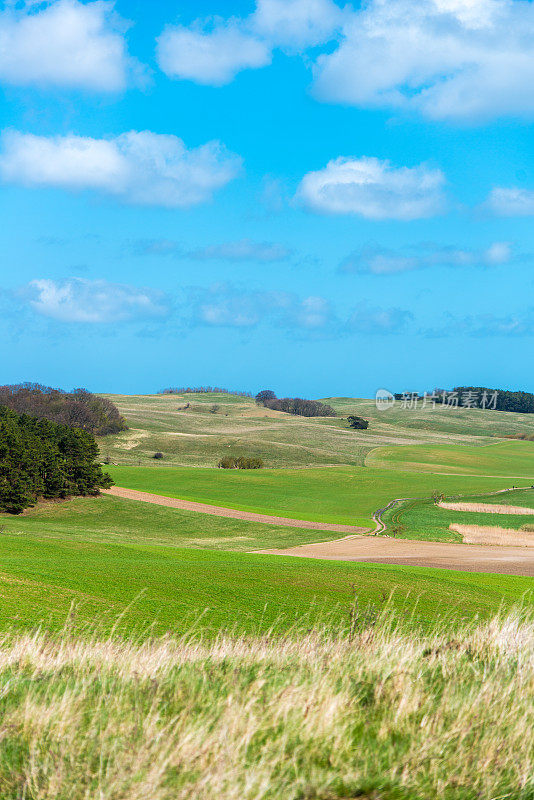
point(39, 458)
point(77, 409)
point(294, 405)
point(240, 462)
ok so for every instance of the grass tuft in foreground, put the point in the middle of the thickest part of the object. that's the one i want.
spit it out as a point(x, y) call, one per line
point(376, 711)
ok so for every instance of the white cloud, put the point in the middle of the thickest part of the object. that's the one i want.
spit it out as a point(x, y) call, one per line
point(461, 60)
point(511, 202)
point(223, 305)
point(138, 167)
point(244, 250)
point(373, 189)
point(312, 312)
point(369, 319)
point(64, 43)
point(449, 59)
point(79, 300)
point(296, 24)
point(210, 54)
point(517, 323)
point(212, 51)
point(384, 261)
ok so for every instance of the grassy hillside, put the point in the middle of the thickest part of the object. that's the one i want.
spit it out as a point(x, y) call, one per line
point(111, 556)
point(199, 434)
point(347, 495)
point(372, 712)
point(511, 458)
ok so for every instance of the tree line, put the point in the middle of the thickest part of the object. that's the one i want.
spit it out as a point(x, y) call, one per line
point(482, 397)
point(203, 390)
point(294, 405)
point(77, 409)
point(39, 458)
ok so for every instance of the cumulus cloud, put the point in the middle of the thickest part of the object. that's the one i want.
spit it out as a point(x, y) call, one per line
point(370, 319)
point(296, 24)
point(243, 250)
point(517, 323)
point(212, 51)
point(80, 300)
point(224, 305)
point(66, 43)
point(373, 189)
point(511, 202)
point(462, 60)
point(138, 167)
point(449, 59)
point(386, 261)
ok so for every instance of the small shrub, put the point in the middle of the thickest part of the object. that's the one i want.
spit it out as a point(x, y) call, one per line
point(214, 408)
point(240, 462)
point(157, 455)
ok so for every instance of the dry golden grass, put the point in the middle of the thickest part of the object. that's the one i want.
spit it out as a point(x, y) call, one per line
point(487, 508)
point(483, 534)
point(373, 712)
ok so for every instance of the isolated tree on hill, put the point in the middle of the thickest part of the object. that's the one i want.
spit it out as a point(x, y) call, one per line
point(265, 395)
point(358, 422)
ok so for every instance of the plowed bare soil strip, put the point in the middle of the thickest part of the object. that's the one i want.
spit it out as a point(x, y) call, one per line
point(382, 550)
point(220, 511)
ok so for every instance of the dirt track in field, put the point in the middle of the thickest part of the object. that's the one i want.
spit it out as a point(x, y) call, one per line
point(220, 511)
point(443, 555)
point(354, 546)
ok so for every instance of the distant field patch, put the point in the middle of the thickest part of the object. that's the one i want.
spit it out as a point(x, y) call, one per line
point(345, 495)
point(424, 519)
point(487, 508)
point(480, 534)
point(512, 458)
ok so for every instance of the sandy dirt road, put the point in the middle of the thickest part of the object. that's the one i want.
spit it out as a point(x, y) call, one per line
point(355, 546)
point(382, 550)
point(220, 511)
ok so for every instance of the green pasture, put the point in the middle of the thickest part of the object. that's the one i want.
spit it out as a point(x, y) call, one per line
point(346, 495)
point(511, 458)
point(112, 557)
point(426, 520)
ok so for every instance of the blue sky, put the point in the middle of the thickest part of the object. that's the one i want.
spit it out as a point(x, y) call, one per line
point(320, 198)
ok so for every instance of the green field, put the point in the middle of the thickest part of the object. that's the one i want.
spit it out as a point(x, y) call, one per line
point(514, 459)
point(111, 556)
point(426, 520)
point(170, 568)
point(346, 495)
